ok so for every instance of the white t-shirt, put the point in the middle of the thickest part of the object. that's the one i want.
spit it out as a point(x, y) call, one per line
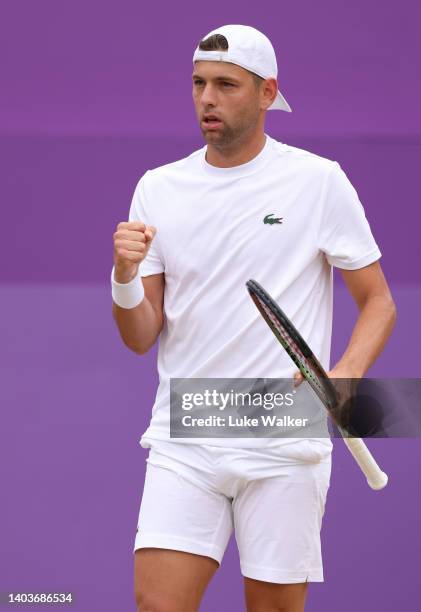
point(211, 239)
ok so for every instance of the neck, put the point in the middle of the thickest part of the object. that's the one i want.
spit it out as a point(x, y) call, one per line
point(236, 153)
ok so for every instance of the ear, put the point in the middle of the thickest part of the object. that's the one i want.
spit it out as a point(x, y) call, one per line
point(268, 92)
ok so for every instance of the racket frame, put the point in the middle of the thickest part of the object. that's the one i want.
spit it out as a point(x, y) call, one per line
point(320, 383)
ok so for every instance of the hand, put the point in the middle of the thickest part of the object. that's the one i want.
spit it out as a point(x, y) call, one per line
point(131, 245)
point(345, 383)
point(337, 372)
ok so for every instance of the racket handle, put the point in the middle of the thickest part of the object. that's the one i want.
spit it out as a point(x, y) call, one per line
point(375, 477)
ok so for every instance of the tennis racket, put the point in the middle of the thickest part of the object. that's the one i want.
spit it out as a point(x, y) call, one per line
point(314, 374)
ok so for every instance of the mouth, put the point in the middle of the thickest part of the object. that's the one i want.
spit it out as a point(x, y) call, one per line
point(211, 122)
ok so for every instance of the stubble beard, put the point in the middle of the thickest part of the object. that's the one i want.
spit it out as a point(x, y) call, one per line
point(229, 136)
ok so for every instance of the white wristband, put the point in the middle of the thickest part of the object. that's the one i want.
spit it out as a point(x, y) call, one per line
point(127, 295)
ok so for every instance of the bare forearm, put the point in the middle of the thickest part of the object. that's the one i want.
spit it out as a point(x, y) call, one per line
point(371, 332)
point(139, 327)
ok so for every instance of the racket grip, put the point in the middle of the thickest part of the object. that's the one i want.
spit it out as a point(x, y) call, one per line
point(375, 477)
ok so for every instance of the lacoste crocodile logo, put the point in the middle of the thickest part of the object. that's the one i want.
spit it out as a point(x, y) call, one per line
point(271, 219)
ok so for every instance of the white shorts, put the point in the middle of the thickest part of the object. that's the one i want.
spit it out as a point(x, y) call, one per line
point(196, 495)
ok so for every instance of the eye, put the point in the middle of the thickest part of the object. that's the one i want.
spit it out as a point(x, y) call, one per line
point(226, 84)
point(197, 82)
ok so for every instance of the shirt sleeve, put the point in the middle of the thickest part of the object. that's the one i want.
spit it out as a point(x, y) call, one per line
point(345, 235)
point(153, 262)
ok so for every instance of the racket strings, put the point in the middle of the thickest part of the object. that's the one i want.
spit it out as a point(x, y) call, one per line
point(295, 352)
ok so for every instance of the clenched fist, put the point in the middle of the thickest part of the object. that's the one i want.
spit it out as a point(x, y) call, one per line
point(131, 245)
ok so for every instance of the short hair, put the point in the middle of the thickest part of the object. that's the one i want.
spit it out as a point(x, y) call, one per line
point(218, 42)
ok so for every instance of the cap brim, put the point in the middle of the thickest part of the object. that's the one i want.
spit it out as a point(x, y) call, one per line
point(280, 104)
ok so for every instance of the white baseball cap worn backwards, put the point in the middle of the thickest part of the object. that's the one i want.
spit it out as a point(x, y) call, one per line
point(250, 49)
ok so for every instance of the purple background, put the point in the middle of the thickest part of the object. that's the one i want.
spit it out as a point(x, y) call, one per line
point(93, 94)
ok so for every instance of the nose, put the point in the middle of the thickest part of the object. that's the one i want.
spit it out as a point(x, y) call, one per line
point(208, 96)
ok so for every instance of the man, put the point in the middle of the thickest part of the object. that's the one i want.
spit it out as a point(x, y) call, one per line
point(198, 230)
